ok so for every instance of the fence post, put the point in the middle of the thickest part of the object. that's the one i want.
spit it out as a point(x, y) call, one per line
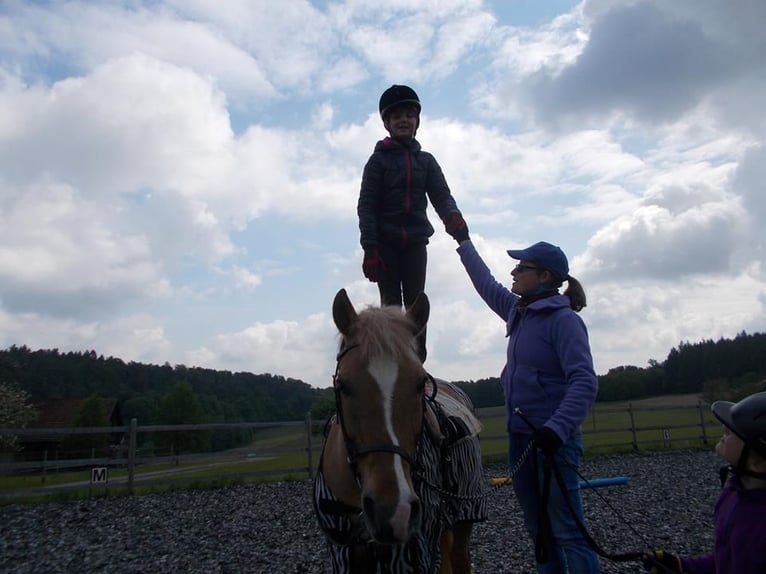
point(131, 452)
point(632, 426)
point(309, 430)
point(702, 423)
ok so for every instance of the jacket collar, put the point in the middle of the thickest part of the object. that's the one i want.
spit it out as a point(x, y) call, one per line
point(390, 143)
point(547, 304)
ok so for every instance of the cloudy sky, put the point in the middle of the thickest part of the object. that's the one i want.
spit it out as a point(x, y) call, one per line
point(178, 178)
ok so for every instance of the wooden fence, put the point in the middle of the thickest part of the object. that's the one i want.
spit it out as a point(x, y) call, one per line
point(613, 429)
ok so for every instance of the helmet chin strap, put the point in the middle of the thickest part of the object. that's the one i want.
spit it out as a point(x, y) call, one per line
point(741, 468)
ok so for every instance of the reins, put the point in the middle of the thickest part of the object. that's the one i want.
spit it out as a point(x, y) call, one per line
point(551, 467)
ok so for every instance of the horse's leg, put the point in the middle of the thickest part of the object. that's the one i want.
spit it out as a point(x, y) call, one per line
point(446, 540)
point(460, 553)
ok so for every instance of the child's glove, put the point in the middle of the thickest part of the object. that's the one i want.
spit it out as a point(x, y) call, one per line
point(660, 562)
point(372, 264)
point(546, 440)
point(456, 227)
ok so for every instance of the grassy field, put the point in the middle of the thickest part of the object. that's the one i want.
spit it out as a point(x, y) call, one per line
point(670, 422)
point(279, 453)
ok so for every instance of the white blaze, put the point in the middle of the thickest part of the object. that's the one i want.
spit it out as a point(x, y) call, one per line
point(385, 372)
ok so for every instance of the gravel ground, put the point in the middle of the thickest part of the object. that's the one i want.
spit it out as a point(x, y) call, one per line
point(668, 503)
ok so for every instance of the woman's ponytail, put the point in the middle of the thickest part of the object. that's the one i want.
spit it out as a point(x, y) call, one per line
point(576, 293)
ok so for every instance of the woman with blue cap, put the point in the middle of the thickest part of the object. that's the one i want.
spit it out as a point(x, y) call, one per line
point(550, 386)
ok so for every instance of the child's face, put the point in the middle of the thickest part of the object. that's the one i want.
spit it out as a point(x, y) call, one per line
point(402, 123)
point(730, 446)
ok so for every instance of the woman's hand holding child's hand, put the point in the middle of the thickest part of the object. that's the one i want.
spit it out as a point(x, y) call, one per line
point(456, 227)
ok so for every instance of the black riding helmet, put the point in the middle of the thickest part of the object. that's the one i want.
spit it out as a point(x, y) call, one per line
point(746, 419)
point(397, 95)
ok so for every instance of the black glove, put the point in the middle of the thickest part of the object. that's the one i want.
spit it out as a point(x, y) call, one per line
point(661, 562)
point(456, 226)
point(546, 440)
point(372, 264)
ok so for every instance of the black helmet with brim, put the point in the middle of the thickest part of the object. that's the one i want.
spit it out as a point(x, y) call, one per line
point(395, 96)
point(746, 419)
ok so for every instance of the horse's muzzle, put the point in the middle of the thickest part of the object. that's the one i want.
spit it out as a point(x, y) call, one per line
point(392, 522)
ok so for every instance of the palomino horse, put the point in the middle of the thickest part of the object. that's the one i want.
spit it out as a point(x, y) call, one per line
point(400, 481)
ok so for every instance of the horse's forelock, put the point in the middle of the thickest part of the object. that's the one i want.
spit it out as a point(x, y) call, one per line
point(384, 331)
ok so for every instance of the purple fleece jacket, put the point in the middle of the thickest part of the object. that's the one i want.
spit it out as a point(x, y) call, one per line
point(548, 373)
point(740, 534)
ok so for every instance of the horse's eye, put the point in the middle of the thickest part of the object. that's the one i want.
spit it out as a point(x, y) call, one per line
point(343, 388)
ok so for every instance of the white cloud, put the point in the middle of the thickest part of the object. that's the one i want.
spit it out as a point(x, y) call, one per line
point(82, 35)
point(656, 61)
point(655, 243)
point(302, 350)
point(137, 337)
point(646, 321)
point(61, 254)
point(245, 278)
point(748, 181)
point(171, 165)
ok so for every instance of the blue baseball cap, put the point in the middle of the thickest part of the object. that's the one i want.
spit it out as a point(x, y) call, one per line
point(548, 256)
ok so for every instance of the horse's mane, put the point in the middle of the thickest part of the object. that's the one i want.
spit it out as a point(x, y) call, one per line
point(384, 331)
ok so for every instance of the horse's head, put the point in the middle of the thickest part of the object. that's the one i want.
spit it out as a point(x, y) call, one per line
point(379, 389)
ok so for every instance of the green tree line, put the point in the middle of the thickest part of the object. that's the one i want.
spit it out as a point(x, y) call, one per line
point(727, 368)
point(144, 389)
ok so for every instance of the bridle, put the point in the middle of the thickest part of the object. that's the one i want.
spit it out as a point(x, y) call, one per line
point(354, 453)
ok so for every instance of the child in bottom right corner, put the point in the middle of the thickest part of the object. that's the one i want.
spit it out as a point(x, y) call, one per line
point(740, 512)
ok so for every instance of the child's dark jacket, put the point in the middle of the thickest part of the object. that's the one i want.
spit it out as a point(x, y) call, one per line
point(740, 534)
point(397, 183)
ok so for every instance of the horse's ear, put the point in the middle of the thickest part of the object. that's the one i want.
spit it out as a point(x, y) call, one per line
point(343, 312)
point(419, 311)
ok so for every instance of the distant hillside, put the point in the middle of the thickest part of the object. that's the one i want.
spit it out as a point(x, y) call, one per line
point(727, 368)
point(223, 396)
point(723, 369)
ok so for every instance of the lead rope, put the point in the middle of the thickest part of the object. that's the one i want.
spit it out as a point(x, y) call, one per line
point(519, 463)
point(494, 483)
point(614, 557)
point(551, 468)
point(486, 491)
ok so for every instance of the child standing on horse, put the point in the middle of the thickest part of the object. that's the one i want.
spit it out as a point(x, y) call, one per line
point(739, 516)
point(397, 182)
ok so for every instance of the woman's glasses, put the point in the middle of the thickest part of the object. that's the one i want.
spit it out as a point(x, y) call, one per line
point(520, 268)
